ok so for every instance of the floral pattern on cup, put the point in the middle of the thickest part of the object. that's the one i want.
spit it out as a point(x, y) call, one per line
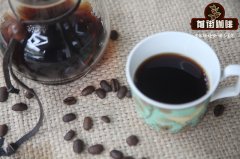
point(170, 120)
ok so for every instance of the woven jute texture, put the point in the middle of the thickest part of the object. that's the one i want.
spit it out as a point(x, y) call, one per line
point(213, 138)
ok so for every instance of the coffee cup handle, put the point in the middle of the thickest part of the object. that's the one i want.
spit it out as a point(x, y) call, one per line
point(231, 91)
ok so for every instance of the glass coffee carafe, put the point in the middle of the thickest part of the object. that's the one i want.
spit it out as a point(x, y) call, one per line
point(59, 40)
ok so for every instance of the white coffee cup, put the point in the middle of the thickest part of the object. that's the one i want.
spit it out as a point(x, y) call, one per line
point(175, 117)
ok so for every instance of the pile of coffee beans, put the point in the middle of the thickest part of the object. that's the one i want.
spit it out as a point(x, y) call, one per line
point(131, 141)
point(101, 92)
point(97, 149)
point(18, 107)
point(106, 87)
point(78, 145)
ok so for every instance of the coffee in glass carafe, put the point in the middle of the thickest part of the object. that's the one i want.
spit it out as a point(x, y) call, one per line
point(59, 40)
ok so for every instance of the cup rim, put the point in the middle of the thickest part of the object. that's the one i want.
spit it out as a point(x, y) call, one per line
point(161, 104)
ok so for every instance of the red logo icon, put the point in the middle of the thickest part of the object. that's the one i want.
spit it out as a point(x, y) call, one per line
point(214, 19)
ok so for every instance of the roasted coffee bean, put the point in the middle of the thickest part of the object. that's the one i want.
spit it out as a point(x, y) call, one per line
point(96, 149)
point(28, 95)
point(78, 146)
point(69, 117)
point(69, 135)
point(105, 86)
point(128, 157)
point(19, 107)
point(129, 94)
point(122, 92)
point(218, 110)
point(3, 130)
point(132, 140)
point(115, 154)
point(106, 119)
point(114, 35)
point(70, 101)
point(3, 94)
point(115, 85)
point(101, 93)
point(88, 90)
point(87, 123)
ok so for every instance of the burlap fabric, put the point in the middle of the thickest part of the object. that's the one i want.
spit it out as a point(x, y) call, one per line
point(213, 138)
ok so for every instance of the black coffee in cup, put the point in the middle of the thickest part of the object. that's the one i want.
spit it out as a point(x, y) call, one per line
point(171, 78)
